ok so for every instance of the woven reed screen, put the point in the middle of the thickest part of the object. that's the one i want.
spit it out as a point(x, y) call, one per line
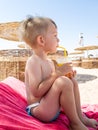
point(12, 63)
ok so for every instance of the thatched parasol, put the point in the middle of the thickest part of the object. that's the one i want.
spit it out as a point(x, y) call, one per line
point(21, 45)
point(76, 53)
point(84, 48)
point(87, 48)
point(9, 31)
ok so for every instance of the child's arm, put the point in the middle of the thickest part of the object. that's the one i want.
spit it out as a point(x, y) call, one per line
point(45, 85)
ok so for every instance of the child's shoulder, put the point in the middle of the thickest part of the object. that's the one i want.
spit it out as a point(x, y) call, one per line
point(32, 59)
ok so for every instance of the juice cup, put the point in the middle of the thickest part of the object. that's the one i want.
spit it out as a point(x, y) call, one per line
point(64, 59)
point(61, 61)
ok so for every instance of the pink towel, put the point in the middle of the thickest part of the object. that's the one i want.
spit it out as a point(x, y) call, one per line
point(14, 117)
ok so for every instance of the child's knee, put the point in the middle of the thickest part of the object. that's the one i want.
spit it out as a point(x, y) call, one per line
point(64, 82)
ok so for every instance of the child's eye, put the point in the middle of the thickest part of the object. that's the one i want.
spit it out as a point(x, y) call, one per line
point(55, 35)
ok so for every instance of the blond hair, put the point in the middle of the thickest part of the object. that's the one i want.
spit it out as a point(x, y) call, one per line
point(33, 27)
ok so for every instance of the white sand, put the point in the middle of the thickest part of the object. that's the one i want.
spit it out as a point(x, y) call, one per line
point(88, 85)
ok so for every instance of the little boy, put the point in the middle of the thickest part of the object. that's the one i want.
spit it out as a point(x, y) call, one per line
point(48, 89)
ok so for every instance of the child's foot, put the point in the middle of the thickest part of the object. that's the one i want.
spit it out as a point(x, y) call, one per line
point(78, 127)
point(90, 122)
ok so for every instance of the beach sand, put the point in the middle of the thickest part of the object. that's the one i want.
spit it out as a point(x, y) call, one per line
point(88, 85)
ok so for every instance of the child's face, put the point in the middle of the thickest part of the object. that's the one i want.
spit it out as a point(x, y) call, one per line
point(51, 39)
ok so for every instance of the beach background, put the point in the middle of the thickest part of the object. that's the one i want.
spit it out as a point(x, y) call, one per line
point(88, 85)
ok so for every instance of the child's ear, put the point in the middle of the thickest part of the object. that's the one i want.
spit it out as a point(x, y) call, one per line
point(40, 40)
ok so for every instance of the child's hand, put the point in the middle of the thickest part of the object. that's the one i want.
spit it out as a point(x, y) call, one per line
point(64, 69)
point(71, 74)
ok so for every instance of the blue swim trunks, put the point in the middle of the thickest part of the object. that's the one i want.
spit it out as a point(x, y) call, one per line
point(28, 110)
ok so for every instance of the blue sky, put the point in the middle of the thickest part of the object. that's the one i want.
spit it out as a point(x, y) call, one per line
point(71, 16)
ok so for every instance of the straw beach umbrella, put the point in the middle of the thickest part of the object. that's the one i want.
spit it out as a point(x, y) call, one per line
point(76, 53)
point(21, 45)
point(86, 48)
point(9, 31)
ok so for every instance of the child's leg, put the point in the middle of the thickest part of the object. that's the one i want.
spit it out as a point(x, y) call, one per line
point(77, 98)
point(68, 104)
point(61, 93)
point(84, 119)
